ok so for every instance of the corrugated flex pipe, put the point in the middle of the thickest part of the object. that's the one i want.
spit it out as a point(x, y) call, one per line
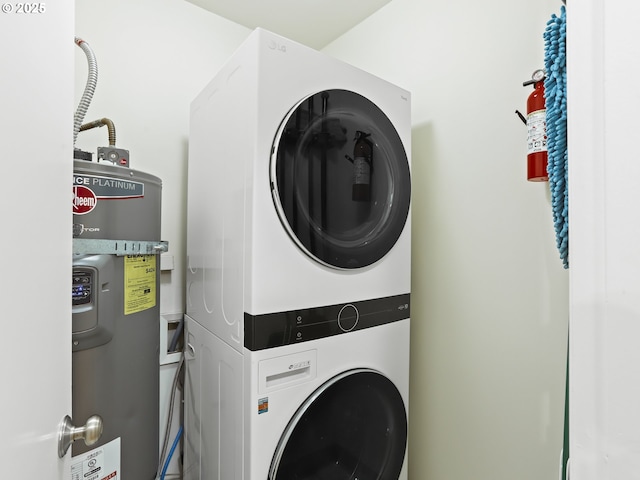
point(555, 87)
point(89, 89)
point(101, 123)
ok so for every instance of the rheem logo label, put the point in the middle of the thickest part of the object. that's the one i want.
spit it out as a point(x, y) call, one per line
point(84, 200)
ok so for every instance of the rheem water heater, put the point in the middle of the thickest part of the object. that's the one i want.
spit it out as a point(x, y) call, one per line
point(115, 294)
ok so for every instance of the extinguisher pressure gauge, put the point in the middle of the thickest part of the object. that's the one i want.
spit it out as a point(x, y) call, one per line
point(536, 77)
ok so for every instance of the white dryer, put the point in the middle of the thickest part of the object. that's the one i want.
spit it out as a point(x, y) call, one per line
point(298, 252)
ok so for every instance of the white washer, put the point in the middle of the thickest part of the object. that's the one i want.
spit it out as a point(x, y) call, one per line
point(298, 241)
point(327, 409)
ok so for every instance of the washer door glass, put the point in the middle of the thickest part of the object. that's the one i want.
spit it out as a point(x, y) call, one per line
point(340, 179)
point(353, 427)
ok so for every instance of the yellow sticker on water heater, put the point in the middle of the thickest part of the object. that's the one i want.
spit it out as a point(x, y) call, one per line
point(139, 283)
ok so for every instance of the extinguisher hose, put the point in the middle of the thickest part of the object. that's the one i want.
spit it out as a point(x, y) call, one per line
point(555, 87)
point(89, 89)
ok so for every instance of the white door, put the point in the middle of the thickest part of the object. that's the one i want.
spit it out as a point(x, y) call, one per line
point(36, 136)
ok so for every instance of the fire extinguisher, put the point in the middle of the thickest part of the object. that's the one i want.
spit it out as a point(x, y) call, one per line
point(536, 130)
point(362, 167)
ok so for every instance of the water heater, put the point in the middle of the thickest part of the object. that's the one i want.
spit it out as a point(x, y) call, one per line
point(115, 314)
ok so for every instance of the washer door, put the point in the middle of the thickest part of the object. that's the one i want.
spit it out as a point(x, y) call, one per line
point(354, 427)
point(340, 179)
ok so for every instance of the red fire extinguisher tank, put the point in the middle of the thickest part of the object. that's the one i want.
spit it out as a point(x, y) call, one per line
point(537, 132)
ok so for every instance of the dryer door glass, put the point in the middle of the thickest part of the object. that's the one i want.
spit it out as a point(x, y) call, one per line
point(353, 427)
point(340, 179)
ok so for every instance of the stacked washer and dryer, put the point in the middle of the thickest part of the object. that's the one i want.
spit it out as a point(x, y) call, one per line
point(298, 276)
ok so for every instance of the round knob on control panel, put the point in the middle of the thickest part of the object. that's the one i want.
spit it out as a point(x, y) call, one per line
point(348, 317)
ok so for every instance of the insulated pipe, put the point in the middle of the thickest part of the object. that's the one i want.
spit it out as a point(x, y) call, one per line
point(90, 87)
point(101, 123)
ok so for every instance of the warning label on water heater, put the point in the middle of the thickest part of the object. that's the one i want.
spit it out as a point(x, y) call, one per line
point(101, 463)
point(139, 283)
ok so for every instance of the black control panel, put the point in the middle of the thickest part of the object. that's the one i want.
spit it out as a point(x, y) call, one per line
point(82, 287)
point(295, 326)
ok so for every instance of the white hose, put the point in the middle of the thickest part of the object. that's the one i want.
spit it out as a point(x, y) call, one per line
point(92, 80)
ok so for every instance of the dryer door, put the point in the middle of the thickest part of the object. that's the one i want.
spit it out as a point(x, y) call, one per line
point(340, 179)
point(353, 427)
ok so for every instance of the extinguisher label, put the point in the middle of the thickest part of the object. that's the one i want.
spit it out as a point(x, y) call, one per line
point(537, 132)
point(139, 283)
point(361, 171)
point(101, 463)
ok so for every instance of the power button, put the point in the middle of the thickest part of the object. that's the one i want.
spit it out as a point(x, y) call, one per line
point(348, 317)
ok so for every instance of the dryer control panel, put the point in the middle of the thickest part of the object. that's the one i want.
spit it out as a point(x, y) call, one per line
point(295, 326)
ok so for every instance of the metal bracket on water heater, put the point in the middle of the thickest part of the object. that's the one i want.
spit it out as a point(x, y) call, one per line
point(86, 246)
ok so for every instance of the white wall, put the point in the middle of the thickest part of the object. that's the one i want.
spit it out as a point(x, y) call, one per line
point(605, 228)
point(489, 292)
point(489, 295)
point(154, 57)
